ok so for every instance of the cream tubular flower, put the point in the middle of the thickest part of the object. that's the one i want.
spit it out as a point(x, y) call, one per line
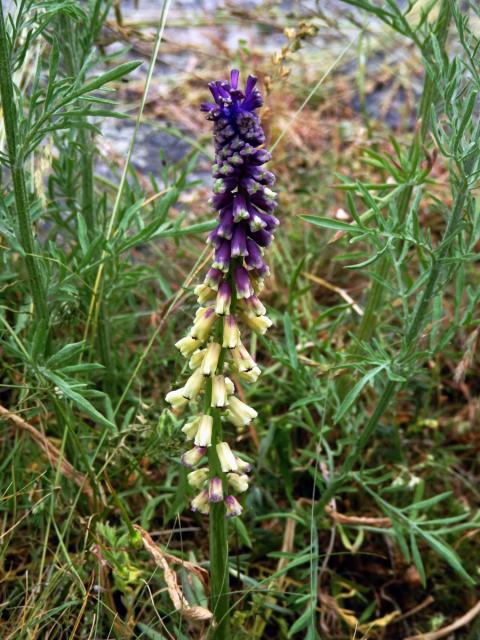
point(196, 479)
point(219, 392)
point(215, 490)
point(204, 321)
point(203, 437)
point(233, 507)
point(223, 300)
point(239, 413)
point(231, 333)
point(209, 364)
point(204, 294)
point(200, 502)
point(259, 324)
point(238, 482)
point(197, 359)
point(228, 461)
point(193, 456)
point(176, 398)
point(194, 385)
point(191, 427)
point(187, 345)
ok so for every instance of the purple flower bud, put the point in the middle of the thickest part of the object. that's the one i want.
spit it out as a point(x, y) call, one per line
point(224, 298)
point(261, 272)
point(213, 278)
point(271, 222)
point(261, 156)
point(225, 228)
point(251, 186)
point(234, 75)
point(242, 282)
point(239, 241)
point(193, 457)
point(222, 256)
point(240, 210)
point(254, 258)
point(262, 237)
point(233, 507)
point(215, 490)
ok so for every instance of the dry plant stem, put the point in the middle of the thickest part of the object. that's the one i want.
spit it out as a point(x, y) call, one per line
point(376, 293)
point(192, 613)
point(23, 222)
point(446, 631)
point(51, 452)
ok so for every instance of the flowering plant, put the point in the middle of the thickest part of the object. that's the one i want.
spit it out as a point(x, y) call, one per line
point(228, 298)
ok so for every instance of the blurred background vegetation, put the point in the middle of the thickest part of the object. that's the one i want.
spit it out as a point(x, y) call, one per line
point(362, 521)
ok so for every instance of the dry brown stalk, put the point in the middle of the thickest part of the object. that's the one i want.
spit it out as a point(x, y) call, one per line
point(358, 520)
point(331, 287)
point(445, 631)
point(195, 614)
point(53, 455)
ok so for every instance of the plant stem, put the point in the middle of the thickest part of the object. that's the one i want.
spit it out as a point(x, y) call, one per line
point(429, 291)
point(374, 300)
point(218, 534)
point(411, 341)
point(23, 221)
point(88, 197)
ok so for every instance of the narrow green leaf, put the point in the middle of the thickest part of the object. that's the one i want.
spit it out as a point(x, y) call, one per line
point(242, 532)
point(417, 559)
point(400, 537)
point(114, 74)
point(301, 623)
point(429, 502)
point(289, 339)
point(329, 223)
point(447, 553)
point(81, 402)
point(355, 392)
point(65, 354)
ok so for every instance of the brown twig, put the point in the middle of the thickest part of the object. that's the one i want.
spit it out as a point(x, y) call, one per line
point(195, 614)
point(331, 287)
point(358, 520)
point(53, 455)
point(445, 631)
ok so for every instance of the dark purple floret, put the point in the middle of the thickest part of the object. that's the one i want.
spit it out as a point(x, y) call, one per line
point(242, 194)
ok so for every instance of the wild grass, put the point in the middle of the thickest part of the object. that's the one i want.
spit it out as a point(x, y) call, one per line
point(362, 519)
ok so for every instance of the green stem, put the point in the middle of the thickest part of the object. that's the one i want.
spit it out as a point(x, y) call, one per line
point(24, 223)
point(218, 534)
point(429, 91)
point(358, 447)
point(429, 291)
point(75, 56)
point(88, 198)
point(374, 300)
point(411, 340)
point(105, 352)
point(218, 524)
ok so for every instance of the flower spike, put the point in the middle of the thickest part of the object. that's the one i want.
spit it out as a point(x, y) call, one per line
point(228, 298)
